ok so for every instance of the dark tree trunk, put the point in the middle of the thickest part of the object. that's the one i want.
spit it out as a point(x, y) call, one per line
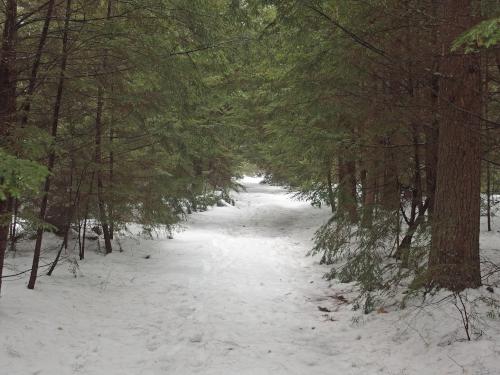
point(488, 194)
point(111, 180)
point(8, 78)
point(347, 189)
point(497, 58)
point(363, 179)
point(103, 215)
point(82, 249)
point(432, 131)
point(70, 210)
point(485, 97)
point(370, 193)
point(36, 64)
point(390, 189)
point(4, 234)
point(431, 158)
point(329, 186)
point(13, 230)
point(98, 161)
point(414, 220)
point(454, 259)
point(52, 155)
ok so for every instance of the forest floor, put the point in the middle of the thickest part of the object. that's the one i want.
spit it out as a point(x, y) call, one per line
point(233, 293)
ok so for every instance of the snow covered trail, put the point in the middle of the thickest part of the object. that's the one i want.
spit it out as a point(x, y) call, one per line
point(232, 294)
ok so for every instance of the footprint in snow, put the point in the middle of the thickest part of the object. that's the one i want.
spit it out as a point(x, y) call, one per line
point(196, 338)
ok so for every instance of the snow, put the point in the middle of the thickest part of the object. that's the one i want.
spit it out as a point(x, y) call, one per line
point(233, 293)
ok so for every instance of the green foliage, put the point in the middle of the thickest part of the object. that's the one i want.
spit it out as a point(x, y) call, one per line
point(357, 254)
point(483, 36)
point(19, 176)
point(169, 142)
point(196, 92)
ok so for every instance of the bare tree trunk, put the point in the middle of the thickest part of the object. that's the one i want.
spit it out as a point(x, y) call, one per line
point(497, 58)
point(98, 162)
point(485, 96)
point(13, 230)
point(347, 189)
point(432, 131)
point(111, 180)
point(363, 179)
point(414, 221)
point(4, 234)
point(488, 194)
point(454, 259)
point(82, 249)
point(390, 189)
point(36, 64)
point(431, 159)
point(103, 215)
point(52, 155)
point(70, 210)
point(329, 186)
point(370, 197)
point(8, 79)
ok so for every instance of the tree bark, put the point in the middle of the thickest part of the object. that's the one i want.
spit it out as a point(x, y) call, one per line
point(36, 64)
point(347, 191)
point(13, 230)
point(390, 189)
point(431, 159)
point(8, 79)
point(414, 221)
point(370, 196)
point(70, 210)
point(454, 259)
point(103, 215)
point(89, 195)
point(432, 131)
point(98, 162)
point(329, 186)
point(488, 195)
point(52, 155)
point(111, 180)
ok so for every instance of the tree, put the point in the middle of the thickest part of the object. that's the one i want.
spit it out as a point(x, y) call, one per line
point(454, 260)
point(8, 80)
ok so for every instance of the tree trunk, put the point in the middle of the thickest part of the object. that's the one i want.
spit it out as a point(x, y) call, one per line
point(454, 259)
point(414, 221)
point(497, 58)
point(103, 215)
point(82, 249)
point(4, 234)
point(111, 179)
point(390, 189)
point(8, 79)
point(431, 159)
point(329, 182)
point(370, 197)
point(13, 230)
point(52, 155)
point(363, 180)
point(36, 64)
point(98, 162)
point(432, 131)
point(70, 210)
point(488, 194)
point(347, 192)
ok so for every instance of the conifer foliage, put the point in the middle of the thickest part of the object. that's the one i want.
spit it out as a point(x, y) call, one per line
point(142, 111)
point(388, 112)
point(110, 113)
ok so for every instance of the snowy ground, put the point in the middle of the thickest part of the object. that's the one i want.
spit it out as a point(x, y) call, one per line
point(231, 294)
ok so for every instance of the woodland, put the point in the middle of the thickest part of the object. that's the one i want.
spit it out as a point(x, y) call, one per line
point(148, 111)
